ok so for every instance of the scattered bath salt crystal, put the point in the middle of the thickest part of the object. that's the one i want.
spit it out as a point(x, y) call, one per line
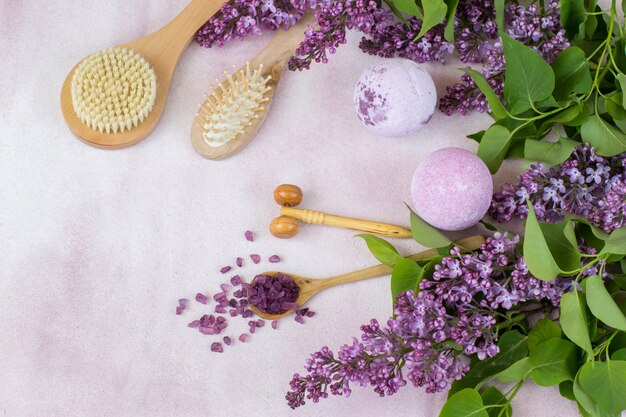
point(249, 236)
point(206, 330)
point(201, 298)
point(220, 296)
point(268, 292)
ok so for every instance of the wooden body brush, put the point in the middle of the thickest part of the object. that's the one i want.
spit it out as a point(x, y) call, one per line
point(115, 98)
point(231, 115)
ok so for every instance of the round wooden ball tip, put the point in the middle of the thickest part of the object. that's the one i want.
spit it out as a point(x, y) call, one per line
point(288, 195)
point(284, 227)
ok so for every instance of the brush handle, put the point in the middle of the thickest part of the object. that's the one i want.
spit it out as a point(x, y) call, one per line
point(283, 45)
point(470, 244)
point(184, 26)
point(318, 217)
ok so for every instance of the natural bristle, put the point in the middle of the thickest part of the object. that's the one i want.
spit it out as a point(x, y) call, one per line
point(233, 104)
point(113, 90)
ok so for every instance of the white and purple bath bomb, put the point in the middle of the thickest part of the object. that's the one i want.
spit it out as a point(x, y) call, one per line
point(452, 189)
point(395, 97)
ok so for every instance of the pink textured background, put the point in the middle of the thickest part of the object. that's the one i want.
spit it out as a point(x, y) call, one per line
point(97, 246)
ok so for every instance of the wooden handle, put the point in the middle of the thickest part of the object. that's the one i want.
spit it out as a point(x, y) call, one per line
point(180, 31)
point(318, 217)
point(283, 44)
point(470, 244)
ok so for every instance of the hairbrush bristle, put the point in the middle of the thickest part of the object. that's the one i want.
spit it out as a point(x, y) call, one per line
point(113, 90)
point(233, 105)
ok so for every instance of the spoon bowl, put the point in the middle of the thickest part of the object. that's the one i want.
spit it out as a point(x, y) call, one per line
point(309, 286)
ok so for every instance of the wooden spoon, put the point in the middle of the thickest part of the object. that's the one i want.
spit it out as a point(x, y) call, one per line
point(162, 49)
point(273, 59)
point(309, 286)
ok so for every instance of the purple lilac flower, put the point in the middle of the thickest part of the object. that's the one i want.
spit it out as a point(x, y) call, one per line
point(535, 26)
point(586, 185)
point(434, 333)
point(240, 18)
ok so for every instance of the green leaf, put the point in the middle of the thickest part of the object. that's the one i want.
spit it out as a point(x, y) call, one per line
point(602, 304)
point(554, 361)
point(619, 355)
point(605, 383)
point(528, 78)
point(497, 108)
point(615, 108)
point(434, 14)
point(543, 330)
point(571, 73)
point(607, 140)
point(499, 4)
point(405, 276)
point(512, 346)
point(426, 235)
point(516, 372)
point(394, 9)
point(493, 396)
point(448, 34)
point(494, 145)
point(573, 14)
point(621, 79)
point(408, 7)
point(584, 400)
point(381, 249)
point(616, 242)
point(566, 389)
point(465, 403)
point(619, 53)
point(549, 249)
point(551, 153)
point(574, 320)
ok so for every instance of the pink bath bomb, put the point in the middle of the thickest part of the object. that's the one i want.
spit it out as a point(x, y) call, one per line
point(452, 189)
point(395, 97)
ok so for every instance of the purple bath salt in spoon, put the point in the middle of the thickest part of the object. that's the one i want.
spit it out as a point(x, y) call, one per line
point(273, 295)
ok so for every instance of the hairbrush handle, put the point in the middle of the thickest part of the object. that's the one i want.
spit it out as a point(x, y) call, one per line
point(368, 226)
